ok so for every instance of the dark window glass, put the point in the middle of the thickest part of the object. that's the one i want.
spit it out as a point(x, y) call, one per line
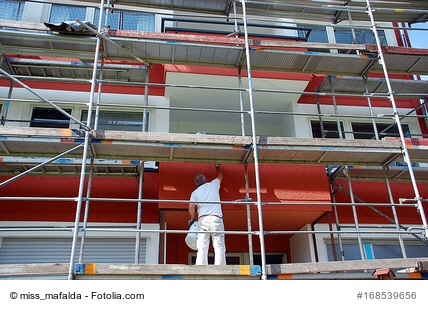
point(380, 251)
point(230, 260)
point(325, 129)
point(365, 130)
point(270, 259)
point(50, 118)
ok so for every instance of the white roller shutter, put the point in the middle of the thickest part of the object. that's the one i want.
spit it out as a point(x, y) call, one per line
point(58, 250)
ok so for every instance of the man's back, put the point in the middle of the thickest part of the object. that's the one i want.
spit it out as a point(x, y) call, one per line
point(207, 192)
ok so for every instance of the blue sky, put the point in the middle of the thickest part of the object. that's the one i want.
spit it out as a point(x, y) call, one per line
point(418, 38)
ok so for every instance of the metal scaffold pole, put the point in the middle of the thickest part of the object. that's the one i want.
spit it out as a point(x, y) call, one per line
point(85, 149)
point(86, 215)
point(369, 103)
point(255, 147)
point(336, 217)
point(354, 212)
point(248, 207)
point(394, 212)
point(405, 151)
point(139, 212)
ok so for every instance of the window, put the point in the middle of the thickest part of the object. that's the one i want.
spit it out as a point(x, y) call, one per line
point(12, 10)
point(113, 120)
point(61, 13)
point(394, 251)
point(378, 250)
point(125, 20)
point(328, 129)
point(50, 118)
point(318, 34)
point(344, 36)
point(365, 130)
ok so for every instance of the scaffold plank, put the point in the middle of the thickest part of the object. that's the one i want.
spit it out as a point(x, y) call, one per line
point(124, 145)
point(102, 270)
point(208, 50)
point(351, 265)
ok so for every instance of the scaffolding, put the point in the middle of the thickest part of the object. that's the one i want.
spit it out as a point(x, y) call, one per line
point(346, 75)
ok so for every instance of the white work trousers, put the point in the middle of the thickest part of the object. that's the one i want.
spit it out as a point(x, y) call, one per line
point(210, 223)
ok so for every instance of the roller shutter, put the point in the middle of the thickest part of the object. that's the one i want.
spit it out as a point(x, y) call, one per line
point(58, 250)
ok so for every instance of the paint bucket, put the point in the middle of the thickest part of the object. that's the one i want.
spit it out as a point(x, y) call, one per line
point(192, 236)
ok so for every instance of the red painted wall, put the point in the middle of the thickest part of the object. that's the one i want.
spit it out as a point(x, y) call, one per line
point(284, 183)
point(376, 192)
point(278, 182)
point(58, 186)
point(175, 181)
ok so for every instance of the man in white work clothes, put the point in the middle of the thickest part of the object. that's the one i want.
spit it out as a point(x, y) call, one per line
point(210, 218)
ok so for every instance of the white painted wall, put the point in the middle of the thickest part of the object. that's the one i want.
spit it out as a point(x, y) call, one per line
point(20, 108)
point(302, 247)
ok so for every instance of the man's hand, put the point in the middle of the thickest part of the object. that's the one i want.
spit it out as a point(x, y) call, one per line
point(191, 221)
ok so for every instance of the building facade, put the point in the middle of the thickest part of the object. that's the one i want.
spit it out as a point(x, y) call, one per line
point(318, 118)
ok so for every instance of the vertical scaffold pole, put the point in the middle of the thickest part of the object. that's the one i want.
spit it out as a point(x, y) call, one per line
point(85, 217)
point(354, 211)
point(247, 197)
point(394, 212)
point(255, 147)
point(338, 227)
point(336, 111)
point(369, 103)
point(241, 103)
point(146, 103)
point(100, 87)
point(7, 103)
point(145, 128)
point(85, 148)
point(405, 151)
point(139, 211)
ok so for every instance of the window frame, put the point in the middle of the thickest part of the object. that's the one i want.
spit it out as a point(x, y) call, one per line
point(121, 124)
point(380, 127)
point(331, 123)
